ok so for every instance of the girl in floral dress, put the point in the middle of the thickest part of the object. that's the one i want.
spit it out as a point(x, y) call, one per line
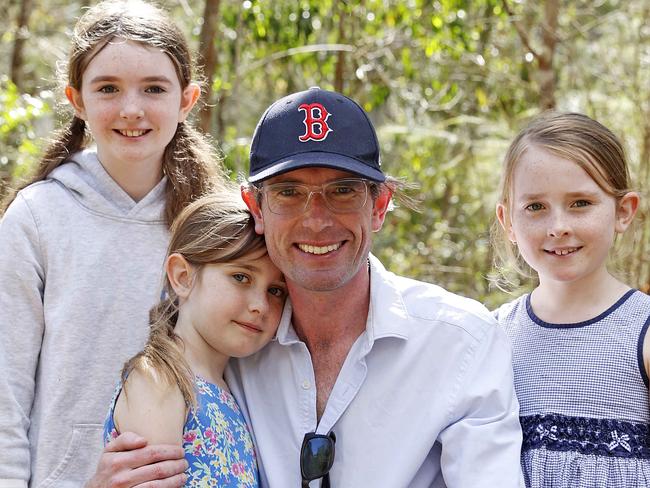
point(581, 350)
point(223, 298)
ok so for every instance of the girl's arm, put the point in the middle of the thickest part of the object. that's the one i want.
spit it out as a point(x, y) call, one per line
point(151, 407)
point(22, 324)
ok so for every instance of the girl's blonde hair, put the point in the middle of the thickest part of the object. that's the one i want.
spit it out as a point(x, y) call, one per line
point(571, 136)
point(216, 228)
point(189, 161)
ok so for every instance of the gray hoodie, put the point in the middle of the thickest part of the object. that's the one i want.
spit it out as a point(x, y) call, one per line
point(80, 266)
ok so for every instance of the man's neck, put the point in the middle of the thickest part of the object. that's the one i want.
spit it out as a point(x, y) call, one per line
point(329, 323)
point(332, 314)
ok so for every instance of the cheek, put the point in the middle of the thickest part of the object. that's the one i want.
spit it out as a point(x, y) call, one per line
point(277, 312)
point(97, 114)
point(523, 231)
point(275, 232)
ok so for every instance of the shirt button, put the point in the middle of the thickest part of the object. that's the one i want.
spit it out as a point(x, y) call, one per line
point(306, 385)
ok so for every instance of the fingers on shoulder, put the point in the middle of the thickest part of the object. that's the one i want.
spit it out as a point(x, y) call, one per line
point(148, 470)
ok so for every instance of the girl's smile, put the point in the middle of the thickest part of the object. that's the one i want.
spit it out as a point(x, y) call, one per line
point(564, 251)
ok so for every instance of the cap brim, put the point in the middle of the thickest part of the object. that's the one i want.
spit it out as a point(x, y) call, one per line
point(316, 159)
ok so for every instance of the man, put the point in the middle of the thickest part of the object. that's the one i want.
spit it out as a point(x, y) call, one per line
point(373, 379)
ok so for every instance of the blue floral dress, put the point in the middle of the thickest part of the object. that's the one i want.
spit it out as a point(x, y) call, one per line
point(218, 445)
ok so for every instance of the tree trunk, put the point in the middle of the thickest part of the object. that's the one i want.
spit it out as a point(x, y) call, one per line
point(544, 57)
point(545, 60)
point(340, 58)
point(208, 59)
point(22, 33)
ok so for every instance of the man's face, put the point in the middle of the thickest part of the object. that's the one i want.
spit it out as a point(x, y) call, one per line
point(319, 249)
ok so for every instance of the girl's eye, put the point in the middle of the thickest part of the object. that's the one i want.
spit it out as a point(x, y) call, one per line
point(108, 89)
point(581, 203)
point(241, 277)
point(276, 291)
point(155, 89)
point(534, 207)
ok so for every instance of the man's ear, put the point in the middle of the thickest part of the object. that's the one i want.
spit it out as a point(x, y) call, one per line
point(189, 97)
point(250, 196)
point(180, 274)
point(380, 207)
point(505, 222)
point(74, 97)
point(626, 209)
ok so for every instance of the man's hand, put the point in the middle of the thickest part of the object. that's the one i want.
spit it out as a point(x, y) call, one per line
point(127, 461)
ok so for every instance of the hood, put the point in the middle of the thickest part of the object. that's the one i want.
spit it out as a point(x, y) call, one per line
point(95, 190)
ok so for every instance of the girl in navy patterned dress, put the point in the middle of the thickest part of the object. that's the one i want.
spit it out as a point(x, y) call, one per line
point(580, 348)
point(223, 298)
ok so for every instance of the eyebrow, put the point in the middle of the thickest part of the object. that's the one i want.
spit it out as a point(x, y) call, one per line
point(235, 264)
point(251, 267)
point(146, 79)
point(573, 194)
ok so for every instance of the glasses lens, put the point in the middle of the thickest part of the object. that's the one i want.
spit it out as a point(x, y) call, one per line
point(286, 198)
point(345, 195)
point(316, 456)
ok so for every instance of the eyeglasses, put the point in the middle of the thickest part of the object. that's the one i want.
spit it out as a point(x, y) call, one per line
point(316, 458)
point(340, 196)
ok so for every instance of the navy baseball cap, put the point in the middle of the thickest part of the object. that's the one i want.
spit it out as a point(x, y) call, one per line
point(314, 128)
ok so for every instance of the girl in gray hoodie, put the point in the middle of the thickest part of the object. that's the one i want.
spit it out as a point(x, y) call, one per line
point(82, 244)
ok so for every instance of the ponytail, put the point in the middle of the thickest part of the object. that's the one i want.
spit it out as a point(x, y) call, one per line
point(163, 352)
point(68, 140)
point(192, 169)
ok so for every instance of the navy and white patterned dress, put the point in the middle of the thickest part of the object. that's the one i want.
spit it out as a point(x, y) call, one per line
point(583, 394)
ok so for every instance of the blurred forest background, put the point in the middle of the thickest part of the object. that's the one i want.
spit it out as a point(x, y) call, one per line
point(447, 83)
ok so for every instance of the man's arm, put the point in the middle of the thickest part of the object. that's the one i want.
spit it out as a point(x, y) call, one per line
point(128, 461)
point(481, 448)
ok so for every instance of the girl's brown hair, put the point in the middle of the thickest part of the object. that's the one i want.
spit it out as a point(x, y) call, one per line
point(216, 228)
point(189, 161)
point(574, 137)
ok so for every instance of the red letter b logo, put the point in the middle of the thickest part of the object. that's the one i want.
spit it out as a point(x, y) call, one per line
point(315, 122)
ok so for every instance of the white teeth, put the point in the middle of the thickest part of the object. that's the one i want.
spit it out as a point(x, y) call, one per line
point(318, 249)
point(564, 252)
point(132, 133)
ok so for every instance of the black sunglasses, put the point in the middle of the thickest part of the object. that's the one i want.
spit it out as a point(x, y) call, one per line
point(316, 458)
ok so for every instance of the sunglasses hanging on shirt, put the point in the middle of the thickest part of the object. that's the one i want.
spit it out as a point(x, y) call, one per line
point(316, 458)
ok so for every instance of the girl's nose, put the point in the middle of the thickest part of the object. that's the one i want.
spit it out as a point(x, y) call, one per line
point(131, 109)
point(259, 302)
point(558, 226)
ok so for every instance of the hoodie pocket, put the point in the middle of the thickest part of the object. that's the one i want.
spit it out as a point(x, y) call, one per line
point(80, 459)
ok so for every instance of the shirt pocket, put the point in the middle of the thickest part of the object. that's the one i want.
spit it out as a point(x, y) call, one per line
point(80, 459)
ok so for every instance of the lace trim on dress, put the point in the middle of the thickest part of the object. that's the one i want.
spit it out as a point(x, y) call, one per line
point(603, 437)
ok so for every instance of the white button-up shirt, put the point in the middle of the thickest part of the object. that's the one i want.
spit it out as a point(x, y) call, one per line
point(425, 397)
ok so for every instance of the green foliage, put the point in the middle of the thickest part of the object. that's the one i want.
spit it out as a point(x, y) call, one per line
point(19, 116)
point(447, 83)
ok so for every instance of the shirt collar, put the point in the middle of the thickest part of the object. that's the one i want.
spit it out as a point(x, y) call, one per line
point(387, 315)
point(384, 297)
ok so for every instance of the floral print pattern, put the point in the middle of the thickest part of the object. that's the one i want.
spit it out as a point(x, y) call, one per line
point(218, 445)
